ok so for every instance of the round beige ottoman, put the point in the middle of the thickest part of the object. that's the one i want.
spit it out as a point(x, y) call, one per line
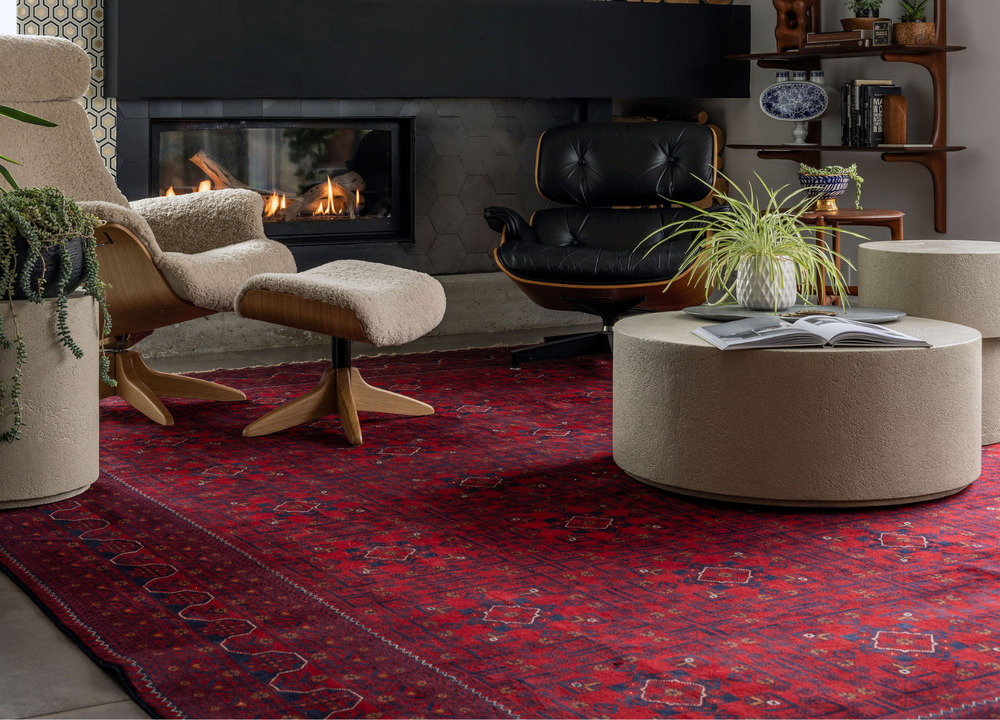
point(57, 455)
point(810, 427)
point(952, 280)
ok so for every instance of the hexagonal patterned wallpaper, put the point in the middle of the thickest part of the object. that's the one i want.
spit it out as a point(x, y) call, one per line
point(81, 21)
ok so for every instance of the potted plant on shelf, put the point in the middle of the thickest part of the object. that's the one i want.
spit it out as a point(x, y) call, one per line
point(825, 185)
point(866, 12)
point(47, 249)
point(913, 28)
point(757, 252)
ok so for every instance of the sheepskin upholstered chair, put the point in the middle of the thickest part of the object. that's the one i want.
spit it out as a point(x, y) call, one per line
point(167, 259)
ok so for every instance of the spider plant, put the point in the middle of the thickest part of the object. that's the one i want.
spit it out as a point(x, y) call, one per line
point(764, 231)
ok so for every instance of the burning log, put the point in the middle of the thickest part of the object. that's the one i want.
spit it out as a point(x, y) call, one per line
point(347, 186)
point(221, 178)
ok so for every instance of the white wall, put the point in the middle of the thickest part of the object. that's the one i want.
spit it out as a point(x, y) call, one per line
point(8, 17)
point(973, 120)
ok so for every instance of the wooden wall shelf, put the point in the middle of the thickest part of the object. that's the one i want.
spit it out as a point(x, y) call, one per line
point(846, 148)
point(932, 57)
point(800, 56)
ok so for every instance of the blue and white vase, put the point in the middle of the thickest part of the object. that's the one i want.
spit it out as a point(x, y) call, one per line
point(797, 101)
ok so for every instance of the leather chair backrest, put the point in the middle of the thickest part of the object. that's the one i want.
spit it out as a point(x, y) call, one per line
point(625, 163)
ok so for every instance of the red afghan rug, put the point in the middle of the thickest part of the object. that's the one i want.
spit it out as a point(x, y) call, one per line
point(492, 561)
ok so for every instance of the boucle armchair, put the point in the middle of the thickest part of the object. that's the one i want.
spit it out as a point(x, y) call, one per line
point(167, 260)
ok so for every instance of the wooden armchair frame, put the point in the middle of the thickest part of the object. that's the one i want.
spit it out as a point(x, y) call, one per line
point(141, 300)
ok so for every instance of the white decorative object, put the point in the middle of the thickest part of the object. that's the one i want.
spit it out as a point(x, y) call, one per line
point(757, 290)
point(797, 102)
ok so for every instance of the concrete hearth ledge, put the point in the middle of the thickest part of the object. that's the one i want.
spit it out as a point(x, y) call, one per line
point(477, 303)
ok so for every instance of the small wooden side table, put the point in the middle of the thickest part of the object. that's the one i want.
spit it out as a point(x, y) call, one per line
point(892, 219)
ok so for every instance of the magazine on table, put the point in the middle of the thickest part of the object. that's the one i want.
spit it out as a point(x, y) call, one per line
point(773, 332)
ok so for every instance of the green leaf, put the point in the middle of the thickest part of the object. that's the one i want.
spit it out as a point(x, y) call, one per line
point(24, 117)
point(7, 159)
point(7, 176)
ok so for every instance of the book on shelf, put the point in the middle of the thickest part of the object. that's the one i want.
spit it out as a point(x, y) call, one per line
point(837, 45)
point(863, 121)
point(873, 107)
point(841, 35)
point(773, 332)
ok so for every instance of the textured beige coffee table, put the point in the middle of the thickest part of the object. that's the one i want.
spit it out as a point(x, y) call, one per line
point(953, 280)
point(810, 427)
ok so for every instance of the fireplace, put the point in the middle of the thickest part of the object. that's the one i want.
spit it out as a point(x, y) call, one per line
point(334, 180)
point(478, 82)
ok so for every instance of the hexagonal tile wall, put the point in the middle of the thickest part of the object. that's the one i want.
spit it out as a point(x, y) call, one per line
point(81, 21)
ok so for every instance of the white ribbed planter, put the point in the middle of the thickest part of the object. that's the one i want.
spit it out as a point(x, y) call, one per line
point(57, 456)
point(757, 290)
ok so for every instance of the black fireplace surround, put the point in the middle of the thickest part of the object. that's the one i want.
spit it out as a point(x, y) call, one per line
point(190, 60)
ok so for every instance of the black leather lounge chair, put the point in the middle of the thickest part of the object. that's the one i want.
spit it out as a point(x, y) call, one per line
point(617, 177)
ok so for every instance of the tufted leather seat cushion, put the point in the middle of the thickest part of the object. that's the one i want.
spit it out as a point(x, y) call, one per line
point(606, 164)
point(588, 265)
point(598, 246)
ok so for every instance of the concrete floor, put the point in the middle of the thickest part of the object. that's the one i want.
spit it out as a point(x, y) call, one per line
point(42, 673)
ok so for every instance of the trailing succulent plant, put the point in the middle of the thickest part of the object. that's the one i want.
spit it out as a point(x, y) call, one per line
point(851, 172)
point(913, 11)
point(43, 218)
point(860, 6)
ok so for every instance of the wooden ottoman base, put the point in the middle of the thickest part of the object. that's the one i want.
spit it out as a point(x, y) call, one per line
point(341, 392)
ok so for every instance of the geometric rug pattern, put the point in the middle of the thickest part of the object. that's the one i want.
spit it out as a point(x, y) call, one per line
point(491, 560)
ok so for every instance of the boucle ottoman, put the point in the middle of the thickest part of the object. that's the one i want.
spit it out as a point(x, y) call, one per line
point(350, 300)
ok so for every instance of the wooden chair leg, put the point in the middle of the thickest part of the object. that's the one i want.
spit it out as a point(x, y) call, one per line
point(372, 399)
point(140, 386)
point(181, 386)
point(134, 391)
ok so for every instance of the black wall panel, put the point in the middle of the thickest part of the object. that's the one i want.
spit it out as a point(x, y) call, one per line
point(424, 48)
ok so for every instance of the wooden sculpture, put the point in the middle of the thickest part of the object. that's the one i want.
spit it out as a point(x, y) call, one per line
point(795, 19)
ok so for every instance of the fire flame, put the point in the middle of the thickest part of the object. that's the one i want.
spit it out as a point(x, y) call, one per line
point(273, 204)
point(170, 192)
point(204, 186)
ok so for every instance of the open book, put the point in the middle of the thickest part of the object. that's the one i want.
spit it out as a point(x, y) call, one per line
point(772, 332)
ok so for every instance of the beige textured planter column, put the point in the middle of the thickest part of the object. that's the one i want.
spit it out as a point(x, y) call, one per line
point(810, 427)
point(58, 453)
point(953, 280)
